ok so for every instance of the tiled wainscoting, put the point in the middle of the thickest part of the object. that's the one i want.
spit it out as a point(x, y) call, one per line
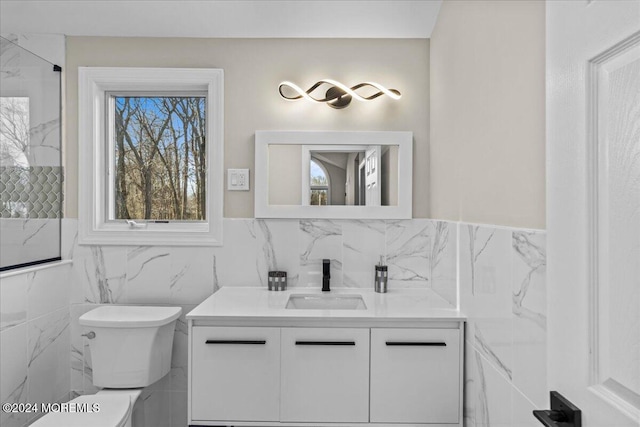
point(503, 293)
point(502, 289)
point(34, 338)
point(420, 253)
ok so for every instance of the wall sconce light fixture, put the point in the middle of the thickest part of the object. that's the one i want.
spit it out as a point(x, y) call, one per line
point(337, 95)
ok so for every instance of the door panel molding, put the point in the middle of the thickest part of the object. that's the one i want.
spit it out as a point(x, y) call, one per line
point(605, 387)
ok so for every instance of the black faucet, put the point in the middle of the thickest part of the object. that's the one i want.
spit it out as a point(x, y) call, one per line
point(326, 274)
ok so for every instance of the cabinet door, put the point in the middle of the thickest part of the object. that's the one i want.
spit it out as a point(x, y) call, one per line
point(415, 375)
point(325, 375)
point(235, 374)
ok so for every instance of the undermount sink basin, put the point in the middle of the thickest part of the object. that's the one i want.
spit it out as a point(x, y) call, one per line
point(325, 302)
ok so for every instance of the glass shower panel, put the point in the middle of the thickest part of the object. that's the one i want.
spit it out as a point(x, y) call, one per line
point(30, 158)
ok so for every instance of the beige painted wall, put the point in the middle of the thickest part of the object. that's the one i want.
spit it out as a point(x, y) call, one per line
point(389, 171)
point(253, 69)
point(487, 113)
point(337, 179)
point(285, 170)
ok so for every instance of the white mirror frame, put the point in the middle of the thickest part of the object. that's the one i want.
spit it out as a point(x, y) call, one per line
point(404, 141)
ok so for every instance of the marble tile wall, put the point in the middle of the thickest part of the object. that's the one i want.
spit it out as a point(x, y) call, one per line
point(502, 275)
point(34, 339)
point(501, 288)
point(420, 253)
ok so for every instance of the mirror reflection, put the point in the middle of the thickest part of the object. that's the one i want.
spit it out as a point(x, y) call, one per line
point(333, 175)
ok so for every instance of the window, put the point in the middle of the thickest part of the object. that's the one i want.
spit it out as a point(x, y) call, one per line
point(158, 151)
point(14, 144)
point(151, 172)
point(319, 184)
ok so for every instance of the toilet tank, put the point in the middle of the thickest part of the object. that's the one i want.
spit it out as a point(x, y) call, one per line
point(130, 345)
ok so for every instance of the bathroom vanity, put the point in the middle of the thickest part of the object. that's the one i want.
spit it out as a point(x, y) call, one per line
point(343, 358)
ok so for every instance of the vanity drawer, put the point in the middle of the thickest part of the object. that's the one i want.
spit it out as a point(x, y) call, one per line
point(415, 375)
point(237, 373)
point(325, 375)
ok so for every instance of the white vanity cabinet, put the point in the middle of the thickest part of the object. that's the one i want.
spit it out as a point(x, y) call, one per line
point(302, 376)
point(324, 375)
point(415, 376)
point(398, 362)
point(235, 373)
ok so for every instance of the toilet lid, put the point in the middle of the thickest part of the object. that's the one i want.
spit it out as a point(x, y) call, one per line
point(109, 411)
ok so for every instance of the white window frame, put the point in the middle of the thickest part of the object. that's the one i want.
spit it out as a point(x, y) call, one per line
point(94, 84)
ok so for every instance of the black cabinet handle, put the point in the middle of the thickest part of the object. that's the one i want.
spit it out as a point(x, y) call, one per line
point(416, 344)
point(235, 342)
point(325, 343)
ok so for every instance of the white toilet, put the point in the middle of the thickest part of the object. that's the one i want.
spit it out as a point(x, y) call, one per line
point(130, 349)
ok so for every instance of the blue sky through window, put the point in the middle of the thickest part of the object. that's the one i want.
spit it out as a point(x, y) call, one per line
point(318, 177)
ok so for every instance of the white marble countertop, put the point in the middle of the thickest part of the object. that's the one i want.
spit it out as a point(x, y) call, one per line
point(245, 306)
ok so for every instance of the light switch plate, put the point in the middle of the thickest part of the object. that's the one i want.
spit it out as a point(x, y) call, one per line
point(238, 179)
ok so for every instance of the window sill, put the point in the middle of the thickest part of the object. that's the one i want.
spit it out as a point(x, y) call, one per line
point(196, 235)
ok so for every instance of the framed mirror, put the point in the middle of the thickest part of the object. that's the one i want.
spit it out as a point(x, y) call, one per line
point(338, 175)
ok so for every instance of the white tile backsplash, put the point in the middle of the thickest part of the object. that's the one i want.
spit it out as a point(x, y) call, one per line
point(319, 240)
point(237, 260)
point(408, 244)
point(363, 243)
point(277, 248)
point(187, 275)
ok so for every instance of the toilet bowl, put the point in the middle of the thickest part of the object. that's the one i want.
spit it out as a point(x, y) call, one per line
point(130, 349)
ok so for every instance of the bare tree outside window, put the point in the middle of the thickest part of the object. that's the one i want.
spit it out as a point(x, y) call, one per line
point(160, 158)
point(14, 163)
point(14, 131)
point(319, 185)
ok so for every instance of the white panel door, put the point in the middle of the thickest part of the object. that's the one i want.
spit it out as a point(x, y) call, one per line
point(593, 212)
point(373, 176)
